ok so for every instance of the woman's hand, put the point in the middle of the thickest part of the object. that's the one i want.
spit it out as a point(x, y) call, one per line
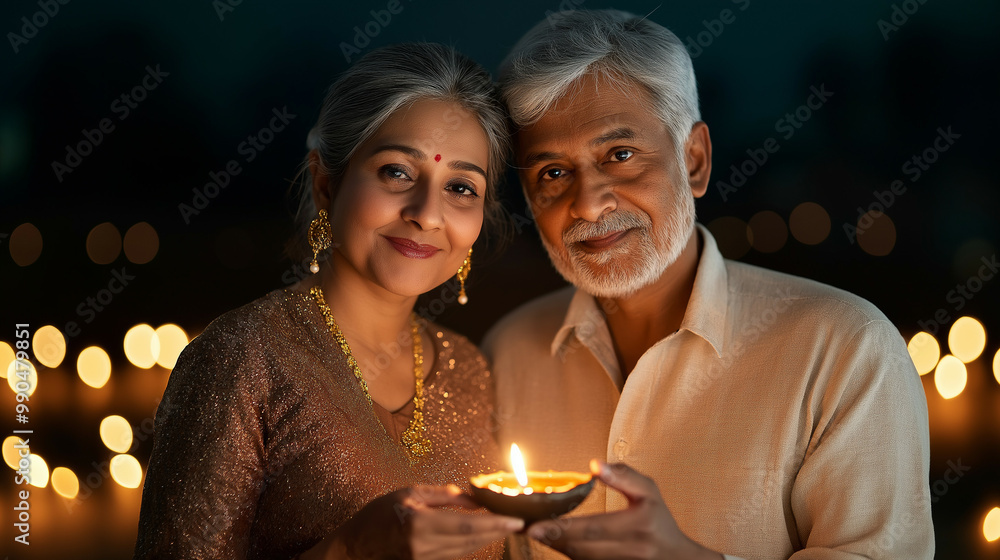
point(409, 524)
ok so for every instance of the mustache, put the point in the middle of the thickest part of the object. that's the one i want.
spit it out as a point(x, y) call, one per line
point(582, 230)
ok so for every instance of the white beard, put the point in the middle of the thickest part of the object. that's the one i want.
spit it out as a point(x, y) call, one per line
point(636, 262)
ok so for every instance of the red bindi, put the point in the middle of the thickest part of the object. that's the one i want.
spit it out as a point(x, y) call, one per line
point(437, 157)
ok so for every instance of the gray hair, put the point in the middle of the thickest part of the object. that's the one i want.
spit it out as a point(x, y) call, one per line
point(375, 87)
point(625, 49)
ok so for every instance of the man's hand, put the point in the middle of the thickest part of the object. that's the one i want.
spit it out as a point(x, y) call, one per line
point(646, 529)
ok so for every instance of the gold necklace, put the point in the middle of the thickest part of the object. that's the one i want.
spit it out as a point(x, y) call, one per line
point(415, 436)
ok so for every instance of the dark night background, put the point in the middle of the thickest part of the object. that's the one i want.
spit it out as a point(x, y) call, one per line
point(224, 76)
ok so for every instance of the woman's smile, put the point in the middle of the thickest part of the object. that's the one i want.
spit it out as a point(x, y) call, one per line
point(412, 249)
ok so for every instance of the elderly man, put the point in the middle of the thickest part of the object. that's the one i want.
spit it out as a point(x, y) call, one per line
point(775, 417)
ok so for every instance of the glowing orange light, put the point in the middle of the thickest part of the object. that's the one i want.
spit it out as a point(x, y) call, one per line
point(991, 525)
point(172, 340)
point(996, 366)
point(125, 470)
point(116, 433)
point(11, 456)
point(38, 471)
point(7, 357)
point(50, 346)
point(65, 482)
point(142, 346)
point(22, 377)
point(950, 377)
point(924, 351)
point(517, 463)
point(94, 366)
point(25, 244)
point(967, 339)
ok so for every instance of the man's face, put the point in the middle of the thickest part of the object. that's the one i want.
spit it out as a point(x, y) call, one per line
point(610, 197)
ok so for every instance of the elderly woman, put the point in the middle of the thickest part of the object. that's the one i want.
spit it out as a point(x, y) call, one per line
point(327, 420)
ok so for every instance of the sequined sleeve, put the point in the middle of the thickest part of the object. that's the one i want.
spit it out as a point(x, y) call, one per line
point(205, 475)
point(265, 444)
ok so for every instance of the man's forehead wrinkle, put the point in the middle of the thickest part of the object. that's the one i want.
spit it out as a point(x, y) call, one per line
point(591, 128)
point(605, 121)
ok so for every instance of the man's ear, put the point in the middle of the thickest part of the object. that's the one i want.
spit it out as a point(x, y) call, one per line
point(321, 185)
point(698, 157)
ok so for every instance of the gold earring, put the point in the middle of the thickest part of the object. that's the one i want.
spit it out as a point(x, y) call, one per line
point(463, 273)
point(320, 237)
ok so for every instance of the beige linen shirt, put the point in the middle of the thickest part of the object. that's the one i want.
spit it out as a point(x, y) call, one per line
point(784, 419)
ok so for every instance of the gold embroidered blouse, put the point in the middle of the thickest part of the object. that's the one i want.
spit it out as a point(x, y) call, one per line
point(264, 442)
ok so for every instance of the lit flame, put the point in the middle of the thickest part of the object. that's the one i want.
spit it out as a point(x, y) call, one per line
point(517, 462)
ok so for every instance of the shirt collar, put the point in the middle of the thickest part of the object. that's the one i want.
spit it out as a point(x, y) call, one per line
point(705, 315)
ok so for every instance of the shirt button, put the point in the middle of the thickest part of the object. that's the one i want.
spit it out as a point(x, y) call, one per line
point(620, 448)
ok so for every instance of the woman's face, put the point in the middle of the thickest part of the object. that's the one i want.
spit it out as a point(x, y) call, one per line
point(410, 204)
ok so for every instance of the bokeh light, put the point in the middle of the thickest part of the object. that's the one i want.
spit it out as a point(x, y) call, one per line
point(10, 453)
point(104, 243)
point(172, 339)
point(125, 470)
point(950, 377)
point(767, 231)
point(876, 233)
point(94, 366)
point(49, 346)
point(116, 433)
point(142, 346)
point(141, 243)
point(27, 374)
point(991, 525)
point(967, 339)
point(924, 351)
point(996, 366)
point(809, 223)
point(731, 236)
point(25, 244)
point(7, 356)
point(65, 482)
point(38, 471)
